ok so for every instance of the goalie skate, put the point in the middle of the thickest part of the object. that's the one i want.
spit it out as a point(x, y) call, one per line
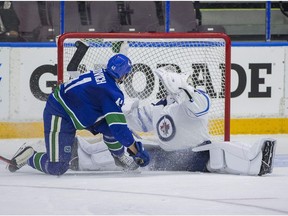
point(21, 157)
point(268, 153)
point(125, 161)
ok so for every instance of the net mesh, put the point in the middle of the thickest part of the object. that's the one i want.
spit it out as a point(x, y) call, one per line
point(202, 59)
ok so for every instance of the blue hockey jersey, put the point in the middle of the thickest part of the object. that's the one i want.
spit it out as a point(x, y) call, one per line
point(92, 97)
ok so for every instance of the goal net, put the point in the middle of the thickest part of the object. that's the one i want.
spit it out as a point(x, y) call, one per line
point(205, 57)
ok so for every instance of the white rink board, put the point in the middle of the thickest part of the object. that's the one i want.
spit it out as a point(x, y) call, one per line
point(4, 82)
point(22, 105)
point(245, 56)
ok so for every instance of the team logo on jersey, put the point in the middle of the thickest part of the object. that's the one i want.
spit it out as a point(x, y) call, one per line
point(119, 102)
point(166, 128)
point(67, 149)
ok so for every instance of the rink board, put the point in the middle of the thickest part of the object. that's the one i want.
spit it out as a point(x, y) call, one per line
point(259, 109)
point(238, 126)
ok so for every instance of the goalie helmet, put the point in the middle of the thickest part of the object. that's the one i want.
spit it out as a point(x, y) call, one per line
point(118, 66)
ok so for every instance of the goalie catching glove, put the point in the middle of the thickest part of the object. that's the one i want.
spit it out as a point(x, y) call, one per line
point(142, 157)
point(175, 83)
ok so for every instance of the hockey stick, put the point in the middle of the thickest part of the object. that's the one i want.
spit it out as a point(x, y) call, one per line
point(9, 162)
point(78, 56)
point(135, 134)
point(148, 144)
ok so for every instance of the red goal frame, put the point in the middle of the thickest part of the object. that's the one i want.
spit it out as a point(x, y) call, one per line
point(60, 63)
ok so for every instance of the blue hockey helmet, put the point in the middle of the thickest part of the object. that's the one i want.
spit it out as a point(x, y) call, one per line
point(118, 66)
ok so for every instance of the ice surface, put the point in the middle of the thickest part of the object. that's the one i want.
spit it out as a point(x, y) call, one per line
point(101, 193)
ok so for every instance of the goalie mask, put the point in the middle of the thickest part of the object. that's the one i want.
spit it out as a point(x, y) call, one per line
point(118, 66)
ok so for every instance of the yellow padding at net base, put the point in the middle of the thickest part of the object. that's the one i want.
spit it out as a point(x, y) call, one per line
point(21, 130)
point(238, 126)
point(259, 126)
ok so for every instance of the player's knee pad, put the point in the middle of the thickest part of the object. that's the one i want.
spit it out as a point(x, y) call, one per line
point(57, 168)
point(84, 159)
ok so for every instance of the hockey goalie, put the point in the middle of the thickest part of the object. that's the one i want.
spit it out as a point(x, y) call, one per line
point(180, 123)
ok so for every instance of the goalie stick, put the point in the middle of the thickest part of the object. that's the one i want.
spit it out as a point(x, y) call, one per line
point(148, 143)
point(136, 134)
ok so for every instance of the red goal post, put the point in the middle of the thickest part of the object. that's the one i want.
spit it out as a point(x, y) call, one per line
point(205, 57)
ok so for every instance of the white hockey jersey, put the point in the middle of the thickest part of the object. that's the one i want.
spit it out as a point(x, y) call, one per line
point(178, 125)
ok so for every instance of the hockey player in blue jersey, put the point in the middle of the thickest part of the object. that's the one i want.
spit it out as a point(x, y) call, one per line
point(93, 102)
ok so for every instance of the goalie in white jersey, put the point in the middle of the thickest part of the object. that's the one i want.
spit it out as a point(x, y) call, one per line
point(180, 123)
point(180, 120)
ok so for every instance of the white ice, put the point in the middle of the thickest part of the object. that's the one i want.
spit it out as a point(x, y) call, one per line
point(29, 192)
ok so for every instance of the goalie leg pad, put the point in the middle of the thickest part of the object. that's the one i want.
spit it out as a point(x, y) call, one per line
point(91, 148)
point(217, 159)
point(232, 164)
point(94, 157)
point(234, 157)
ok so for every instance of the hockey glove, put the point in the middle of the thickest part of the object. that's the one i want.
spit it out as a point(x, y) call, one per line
point(142, 157)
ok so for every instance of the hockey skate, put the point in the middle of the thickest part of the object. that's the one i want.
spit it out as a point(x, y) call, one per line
point(125, 161)
point(268, 153)
point(21, 157)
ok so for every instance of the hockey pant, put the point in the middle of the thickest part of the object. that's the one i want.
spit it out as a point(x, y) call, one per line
point(59, 137)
